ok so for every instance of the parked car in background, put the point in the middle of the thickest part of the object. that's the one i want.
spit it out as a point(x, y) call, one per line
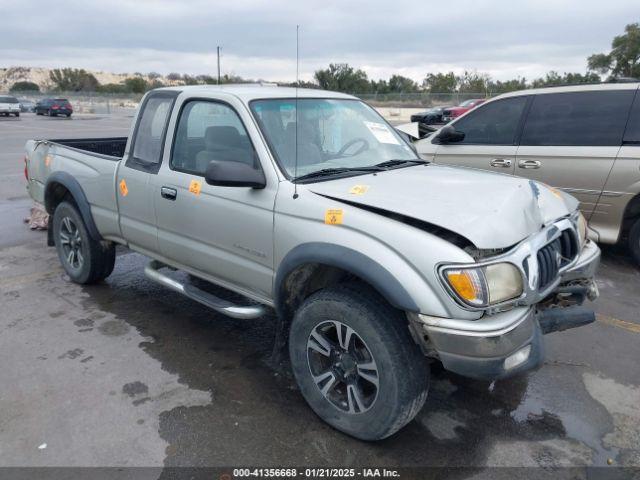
point(430, 116)
point(9, 106)
point(450, 113)
point(54, 107)
point(372, 258)
point(584, 140)
point(26, 105)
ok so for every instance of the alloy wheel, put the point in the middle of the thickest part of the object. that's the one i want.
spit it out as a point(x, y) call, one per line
point(71, 242)
point(342, 367)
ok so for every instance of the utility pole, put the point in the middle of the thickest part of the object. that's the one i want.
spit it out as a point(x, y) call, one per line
point(218, 65)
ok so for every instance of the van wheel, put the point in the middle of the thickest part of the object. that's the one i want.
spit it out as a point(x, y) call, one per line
point(356, 363)
point(634, 241)
point(84, 259)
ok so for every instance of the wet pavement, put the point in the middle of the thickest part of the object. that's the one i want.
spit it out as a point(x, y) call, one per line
point(127, 373)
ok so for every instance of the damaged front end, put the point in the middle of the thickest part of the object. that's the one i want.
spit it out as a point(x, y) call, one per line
point(556, 268)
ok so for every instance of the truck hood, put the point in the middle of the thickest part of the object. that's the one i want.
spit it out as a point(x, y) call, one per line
point(491, 210)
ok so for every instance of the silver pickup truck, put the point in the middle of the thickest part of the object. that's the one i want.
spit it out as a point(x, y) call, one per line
point(376, 262)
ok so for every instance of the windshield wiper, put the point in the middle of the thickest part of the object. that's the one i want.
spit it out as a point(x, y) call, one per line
point(335, 171)
point(395, 162)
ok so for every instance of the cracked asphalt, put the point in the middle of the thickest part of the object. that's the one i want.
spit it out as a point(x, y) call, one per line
point(126, 373)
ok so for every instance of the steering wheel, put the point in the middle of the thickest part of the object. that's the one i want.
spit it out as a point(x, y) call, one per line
point(359, 140)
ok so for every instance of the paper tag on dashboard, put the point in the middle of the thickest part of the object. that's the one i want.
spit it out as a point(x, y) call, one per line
point(382, 133)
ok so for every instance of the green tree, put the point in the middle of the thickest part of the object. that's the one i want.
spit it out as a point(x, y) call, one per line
point(473, 82)
point(440, 82)
point(73, 80)
point(112, 88)
point(136, 85)
point(400, 84)
point(498, 87)
point(552, 79)
point(341, 77)
point(624, 57)
point(24, 87)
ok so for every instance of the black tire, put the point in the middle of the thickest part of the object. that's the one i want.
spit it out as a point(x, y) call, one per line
point(634, 241)
point(92, 260)
point(68, 115)
point(401, 373)
point(17, 114)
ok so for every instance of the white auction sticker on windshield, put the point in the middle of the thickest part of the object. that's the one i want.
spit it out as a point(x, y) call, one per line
point(382, 133)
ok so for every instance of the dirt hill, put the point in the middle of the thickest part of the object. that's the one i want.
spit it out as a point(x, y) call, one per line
point(11, 75)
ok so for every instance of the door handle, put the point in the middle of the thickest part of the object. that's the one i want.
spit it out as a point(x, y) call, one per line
point(168, 193)
point(500, 162)
point(529, 164)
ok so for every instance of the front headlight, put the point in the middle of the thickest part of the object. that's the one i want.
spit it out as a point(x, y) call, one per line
point(582, 229)
point(485, 286)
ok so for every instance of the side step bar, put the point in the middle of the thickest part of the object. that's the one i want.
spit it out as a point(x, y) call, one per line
point(219, 305)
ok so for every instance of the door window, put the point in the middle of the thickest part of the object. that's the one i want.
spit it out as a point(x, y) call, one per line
point(632, 134)
point(594, 118)
point(495, 123)
point(210, 131)
point(151, 129)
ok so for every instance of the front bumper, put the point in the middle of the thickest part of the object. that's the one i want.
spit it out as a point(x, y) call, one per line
point(507, 343)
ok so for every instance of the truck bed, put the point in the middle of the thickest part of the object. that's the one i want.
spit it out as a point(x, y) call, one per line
point(111, 146)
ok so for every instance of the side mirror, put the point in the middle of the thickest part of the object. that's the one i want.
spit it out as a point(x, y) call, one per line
point(234, 174)
point(448, 134)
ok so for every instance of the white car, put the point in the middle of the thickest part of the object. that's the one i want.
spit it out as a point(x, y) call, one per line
point(9, 106)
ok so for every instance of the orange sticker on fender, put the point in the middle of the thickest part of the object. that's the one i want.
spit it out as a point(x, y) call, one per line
point(359, 189)
point(333, 217)
point(124, 191)
point(195, 186)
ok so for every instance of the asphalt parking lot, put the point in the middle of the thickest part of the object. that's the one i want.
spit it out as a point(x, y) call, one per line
point(126, 373)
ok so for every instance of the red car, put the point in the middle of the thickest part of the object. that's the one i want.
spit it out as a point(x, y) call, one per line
point(454, 112)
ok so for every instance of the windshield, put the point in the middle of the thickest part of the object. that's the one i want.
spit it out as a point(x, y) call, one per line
point(331, 133)
point(467, 103)
point(8, 100)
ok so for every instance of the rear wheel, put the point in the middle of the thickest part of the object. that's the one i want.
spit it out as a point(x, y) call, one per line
point(634, 241)
point(356, 363)
point(84, 259)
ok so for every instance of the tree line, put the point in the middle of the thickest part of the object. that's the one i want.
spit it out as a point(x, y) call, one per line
point(623, 60)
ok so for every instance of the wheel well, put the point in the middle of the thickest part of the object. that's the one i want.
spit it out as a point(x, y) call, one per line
point(56, 193)
point(308, 278)
point(631, 213)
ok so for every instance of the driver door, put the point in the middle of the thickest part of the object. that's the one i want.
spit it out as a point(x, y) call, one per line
point(225, 233)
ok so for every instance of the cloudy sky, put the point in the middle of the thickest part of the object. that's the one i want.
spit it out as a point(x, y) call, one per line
point(505, 38)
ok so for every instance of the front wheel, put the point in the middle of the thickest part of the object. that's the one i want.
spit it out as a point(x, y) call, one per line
point(85, 259)
point(356, 363)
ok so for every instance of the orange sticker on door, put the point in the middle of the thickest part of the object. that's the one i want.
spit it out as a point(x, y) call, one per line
point(333, 217)
point(124, 191)
point(195, 186)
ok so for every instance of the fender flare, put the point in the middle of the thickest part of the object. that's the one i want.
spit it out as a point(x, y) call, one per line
point(73, 186)
point(346, 259)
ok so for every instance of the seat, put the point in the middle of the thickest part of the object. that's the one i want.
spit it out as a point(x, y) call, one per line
point(224, 144)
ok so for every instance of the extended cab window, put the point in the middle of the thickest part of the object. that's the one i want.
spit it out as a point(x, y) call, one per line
point(151, 129)
point(495, 123)
point(594, 118)
point(210, 131)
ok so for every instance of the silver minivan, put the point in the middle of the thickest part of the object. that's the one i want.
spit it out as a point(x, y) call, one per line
point(584, 140)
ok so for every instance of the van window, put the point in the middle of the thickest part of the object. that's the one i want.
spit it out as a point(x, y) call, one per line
point(593, 118)
point(495, 123)
point(632, 134)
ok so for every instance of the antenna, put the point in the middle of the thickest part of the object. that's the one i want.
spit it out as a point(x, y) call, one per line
point(295, 167)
